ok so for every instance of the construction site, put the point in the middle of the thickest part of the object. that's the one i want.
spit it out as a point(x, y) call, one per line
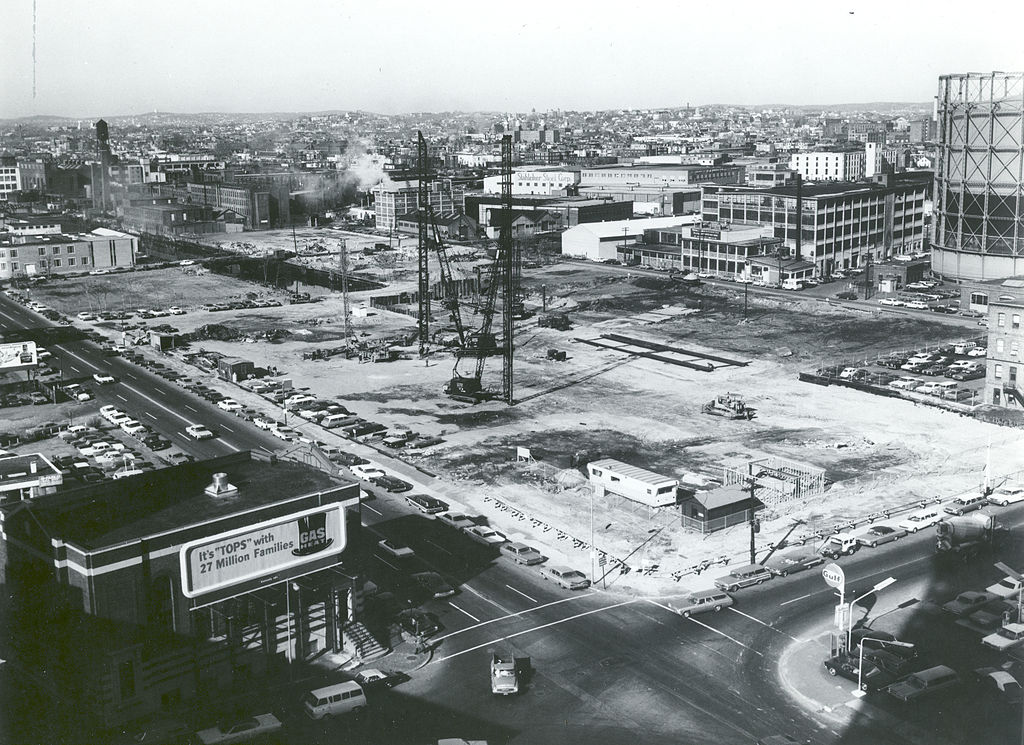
point(576, 361)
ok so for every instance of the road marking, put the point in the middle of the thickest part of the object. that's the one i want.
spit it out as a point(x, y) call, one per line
point(74, 368)
point(191, 408)
point(224, 426)
point(373, 510)
point(709, 628)
point(802, 597)
point(382, 560)
point(130, 375)
point(121, 397)
point(172, 412)
point(453, 605)
point(162, 393)
point(732, 639)
point(150, 415)
point(520, 593)
point(535, 628)
point(514, 615)
point(483, 597)
point(766, 625)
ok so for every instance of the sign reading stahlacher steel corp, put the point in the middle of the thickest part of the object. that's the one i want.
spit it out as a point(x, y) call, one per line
point(211, 564)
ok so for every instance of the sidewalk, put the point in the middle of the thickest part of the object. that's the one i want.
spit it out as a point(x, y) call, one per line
point(803, 677)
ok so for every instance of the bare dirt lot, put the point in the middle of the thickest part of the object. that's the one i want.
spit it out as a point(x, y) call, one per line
point(880, 452)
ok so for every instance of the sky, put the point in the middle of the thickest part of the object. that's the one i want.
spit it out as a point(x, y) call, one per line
point(114, 57)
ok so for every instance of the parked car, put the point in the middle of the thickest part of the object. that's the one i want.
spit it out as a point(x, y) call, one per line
point(520, 553)
point(876, 535)
point(434, 584)
point(455, 520)
point(871, 677)
point(229, 404)
point(905, 383)
point(391, 483)
point(485, 535)
point(965, 504)
point(243, 731)
point(924, 683)
point(891, 301)
point(785, 564)
point(103, 378)
point(570, 579)
point(425, 504)
point(921, 519)
point(263, 423)
point(1006, 495)
point(416, 621)
point(367, 472)
point(373, 678)
point(998, 684)
point(968, 601)
point(969, 373)
point(1009, 636)
point(1007, 587)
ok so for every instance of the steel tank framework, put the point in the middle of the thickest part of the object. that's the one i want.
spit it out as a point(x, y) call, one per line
point(979, 226)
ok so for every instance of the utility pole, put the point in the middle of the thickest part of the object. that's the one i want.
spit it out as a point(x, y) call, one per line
point(755, 524)
point(422, 248)
point(505, 255)
point(343, 258)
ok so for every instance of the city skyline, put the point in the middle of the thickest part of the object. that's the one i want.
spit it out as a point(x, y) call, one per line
point(396, 59)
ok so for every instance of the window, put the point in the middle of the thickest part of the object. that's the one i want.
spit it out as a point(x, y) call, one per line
point(71, 261)
point(85, 260)
point(1013, 374)
point(1015, 321)
point(56, 250)
point(1000, 320)
point(979, 298)
point(1000, 345)
point(1014, 348)
point(42, 250)
point(14, 265)
point(998, 371)
point(56, 262)
point(71, 249)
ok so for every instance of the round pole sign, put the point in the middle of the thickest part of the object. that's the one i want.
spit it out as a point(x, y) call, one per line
point(833, 574)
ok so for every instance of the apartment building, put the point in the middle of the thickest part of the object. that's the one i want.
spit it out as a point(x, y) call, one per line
point(1004, 373)
point(842, 224)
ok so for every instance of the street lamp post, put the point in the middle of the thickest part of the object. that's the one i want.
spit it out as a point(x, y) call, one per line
point(880, 586)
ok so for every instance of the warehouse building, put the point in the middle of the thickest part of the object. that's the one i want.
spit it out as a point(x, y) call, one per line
point(615, 240)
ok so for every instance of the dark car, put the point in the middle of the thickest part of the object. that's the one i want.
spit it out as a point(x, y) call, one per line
point(786, 564)
point(433, 584)
point(391, 483)
point(427, 505)
point(876, 535)
point(872, 678)
point(375, 678)
point(969, 374)
point(893, 363)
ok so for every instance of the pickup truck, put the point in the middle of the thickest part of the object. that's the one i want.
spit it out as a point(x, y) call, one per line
point(504, 675)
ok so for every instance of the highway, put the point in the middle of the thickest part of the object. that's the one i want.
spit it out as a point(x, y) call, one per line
point(610, 667)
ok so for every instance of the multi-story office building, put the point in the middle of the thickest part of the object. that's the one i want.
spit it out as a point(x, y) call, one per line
point(10, 179)
point(847, 165)
point(672, 176)
point(1004, 375)
point(843, 224)
point(394, 199)
point(48, 254)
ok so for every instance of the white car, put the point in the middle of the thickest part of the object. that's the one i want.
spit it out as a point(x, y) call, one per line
point(978, 352)
point(107, 411)
point(890, 301)
point(174, 310)
point(486, 536)
point(570, 579)
point(906, 383)
point(916, 305)
point(243, 731)
point(366, 471)
point(1006, 495)
point(931, 388)
point(132, 427)
point(229, 404)
point(395, 549)
point(263, 423)
point(186, 262)
point(284, 433)
point(198, 432)
point(103, 378)
point(1007, 587)
point(456, 520)
point(922, 519)
point(118, 418)
point(1009, 636)
point(123, 473)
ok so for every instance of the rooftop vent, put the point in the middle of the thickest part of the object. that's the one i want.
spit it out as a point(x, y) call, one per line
point(220, 486)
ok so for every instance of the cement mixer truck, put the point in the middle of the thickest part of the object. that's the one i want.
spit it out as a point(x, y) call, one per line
point(967, 536)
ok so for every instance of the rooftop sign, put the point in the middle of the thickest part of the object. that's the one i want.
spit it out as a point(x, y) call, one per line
point(211, 564)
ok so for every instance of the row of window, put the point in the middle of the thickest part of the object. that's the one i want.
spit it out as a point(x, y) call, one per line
point(55, 263)
point(1014, 322)
point(997, 371)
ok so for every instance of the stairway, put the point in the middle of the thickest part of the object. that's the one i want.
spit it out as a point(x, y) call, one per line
point(355, 636)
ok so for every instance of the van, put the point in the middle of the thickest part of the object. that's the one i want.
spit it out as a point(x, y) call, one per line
point(330, 701)
point(924, 683)
point(792, 284)
point(338, 420)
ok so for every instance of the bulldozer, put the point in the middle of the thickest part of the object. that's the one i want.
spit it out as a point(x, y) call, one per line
point(730, 406)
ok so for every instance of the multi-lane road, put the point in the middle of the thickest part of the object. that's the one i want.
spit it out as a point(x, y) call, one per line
point(608, 666)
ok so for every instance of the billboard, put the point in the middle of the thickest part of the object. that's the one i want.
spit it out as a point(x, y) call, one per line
point(221, 561)
point(18, 356)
